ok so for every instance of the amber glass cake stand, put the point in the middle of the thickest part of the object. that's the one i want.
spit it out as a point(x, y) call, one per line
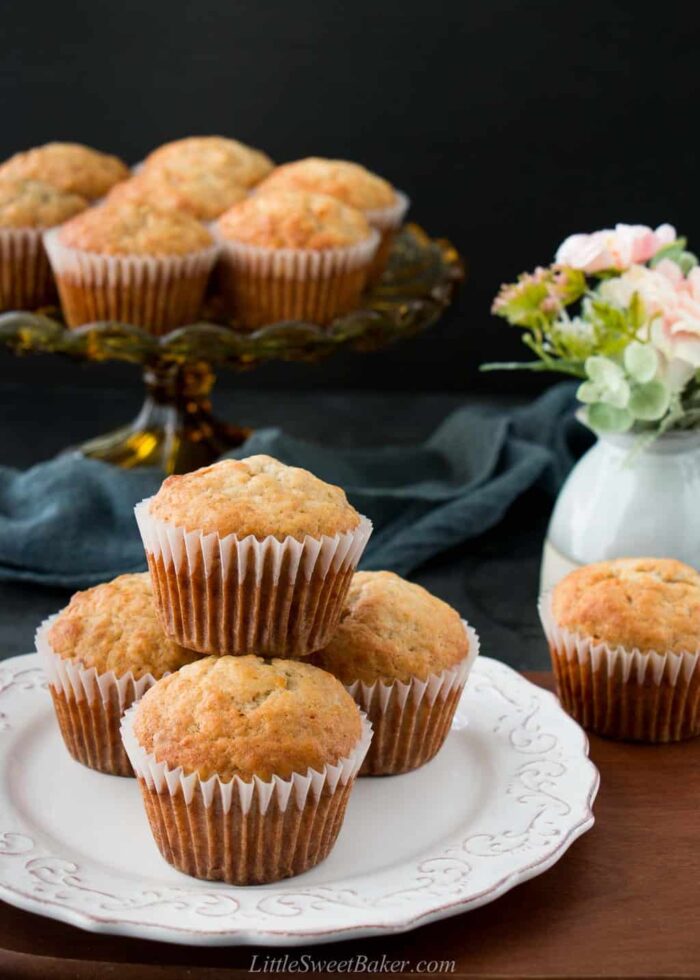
point(175, 429)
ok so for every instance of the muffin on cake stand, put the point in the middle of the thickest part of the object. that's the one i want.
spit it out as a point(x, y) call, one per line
point(175, 429)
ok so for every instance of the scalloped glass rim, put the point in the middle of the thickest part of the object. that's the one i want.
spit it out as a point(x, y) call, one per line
point(415, 290)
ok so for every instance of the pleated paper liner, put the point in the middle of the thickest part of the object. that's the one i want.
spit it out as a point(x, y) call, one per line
point(26, 281)
point(157, 293)
point(387, 221)
point(244, 833)
point(89, 707)
point(266, 285)
point(411, 720)
point(238, 596)
point(620, 693)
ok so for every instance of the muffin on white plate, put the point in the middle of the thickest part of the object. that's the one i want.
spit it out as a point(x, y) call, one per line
point(251, 555)
point(246, 766)
point(100, 654)
point(405, 656)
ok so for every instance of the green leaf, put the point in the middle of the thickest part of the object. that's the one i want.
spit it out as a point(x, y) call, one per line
point(649, 402)
point(603, 370)
point(672, 251)
point(607, 418)
point(588, 393)
point(687, 261)
point(641, 361)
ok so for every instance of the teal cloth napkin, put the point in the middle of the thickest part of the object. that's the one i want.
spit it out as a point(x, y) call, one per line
point(69, 521)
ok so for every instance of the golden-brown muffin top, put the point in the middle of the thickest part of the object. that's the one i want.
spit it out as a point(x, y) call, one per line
point(70, 167)
point(293, 219)
point(349, 182)
point(203, 194)
point(638, 603)
point(36, 204)
point(244, 716)
point(258, 496)
point(391, 629)
point(130, 228)
point(114, 626)
point(219, 157)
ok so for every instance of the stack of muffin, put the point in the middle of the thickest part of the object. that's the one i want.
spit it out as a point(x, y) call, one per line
point(252, 674)
point(296, 242)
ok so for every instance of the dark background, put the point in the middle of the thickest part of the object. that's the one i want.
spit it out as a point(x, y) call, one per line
point(510, 124)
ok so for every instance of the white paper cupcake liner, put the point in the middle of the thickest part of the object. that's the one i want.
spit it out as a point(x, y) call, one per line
point(267, 285)
point(647, 696)
point(26, 282)
point(387, 221)
point(238, 596)
point(391, 217)
point(89, 706)
point(411, 720)
point(157, 293)
point(243, 832)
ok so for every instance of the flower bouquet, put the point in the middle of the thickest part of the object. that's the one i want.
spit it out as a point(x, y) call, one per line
point(619, 309)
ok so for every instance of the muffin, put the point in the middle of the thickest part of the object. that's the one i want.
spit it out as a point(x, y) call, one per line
point(624, 636)
point(405, 656)
point(219, 157)
point(100, 654)
point(245, 766)
point(131, 263)
point(250, 555)
point(199, 193)
point(70, 167)
point(27, 208)
point(382, 205)
point(293, 256)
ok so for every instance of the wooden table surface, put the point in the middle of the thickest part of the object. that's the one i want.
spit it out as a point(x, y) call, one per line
point(624, 901)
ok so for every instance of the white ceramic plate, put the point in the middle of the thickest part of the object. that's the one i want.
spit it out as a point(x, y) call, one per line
point(502, 801)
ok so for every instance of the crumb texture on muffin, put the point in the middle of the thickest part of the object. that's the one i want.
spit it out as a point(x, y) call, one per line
point(218, 156)
point(70, 167)
point(246, 717)
point(113, 626)
point(132, 228)
point(649, 604)
point(256, 496)
point(203, 194)
point(294, 219)
point(36, 204)
point(391, 629)
point(349, 182)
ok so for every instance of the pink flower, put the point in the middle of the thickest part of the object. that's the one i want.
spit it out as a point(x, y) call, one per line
point(614, 249)
point(676, 332)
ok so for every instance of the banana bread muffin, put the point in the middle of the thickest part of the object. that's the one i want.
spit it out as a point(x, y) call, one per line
point(404, 654)
point(354, 185)
point(70, 167)
point(250, 555)
point(246, 734)
point(349, 182)
point(291, 255)
point(200, 193)
point(101, 653)
point(257, 496)
point(27, 208)
point(625, 642)
point(220, 158)
point(132, 263)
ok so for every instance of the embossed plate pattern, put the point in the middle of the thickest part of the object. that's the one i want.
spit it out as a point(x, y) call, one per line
point(503, 800)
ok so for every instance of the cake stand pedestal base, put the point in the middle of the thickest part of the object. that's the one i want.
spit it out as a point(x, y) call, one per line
point(175, 430)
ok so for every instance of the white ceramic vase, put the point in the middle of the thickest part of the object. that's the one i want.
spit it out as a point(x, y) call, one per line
point(617, 504)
